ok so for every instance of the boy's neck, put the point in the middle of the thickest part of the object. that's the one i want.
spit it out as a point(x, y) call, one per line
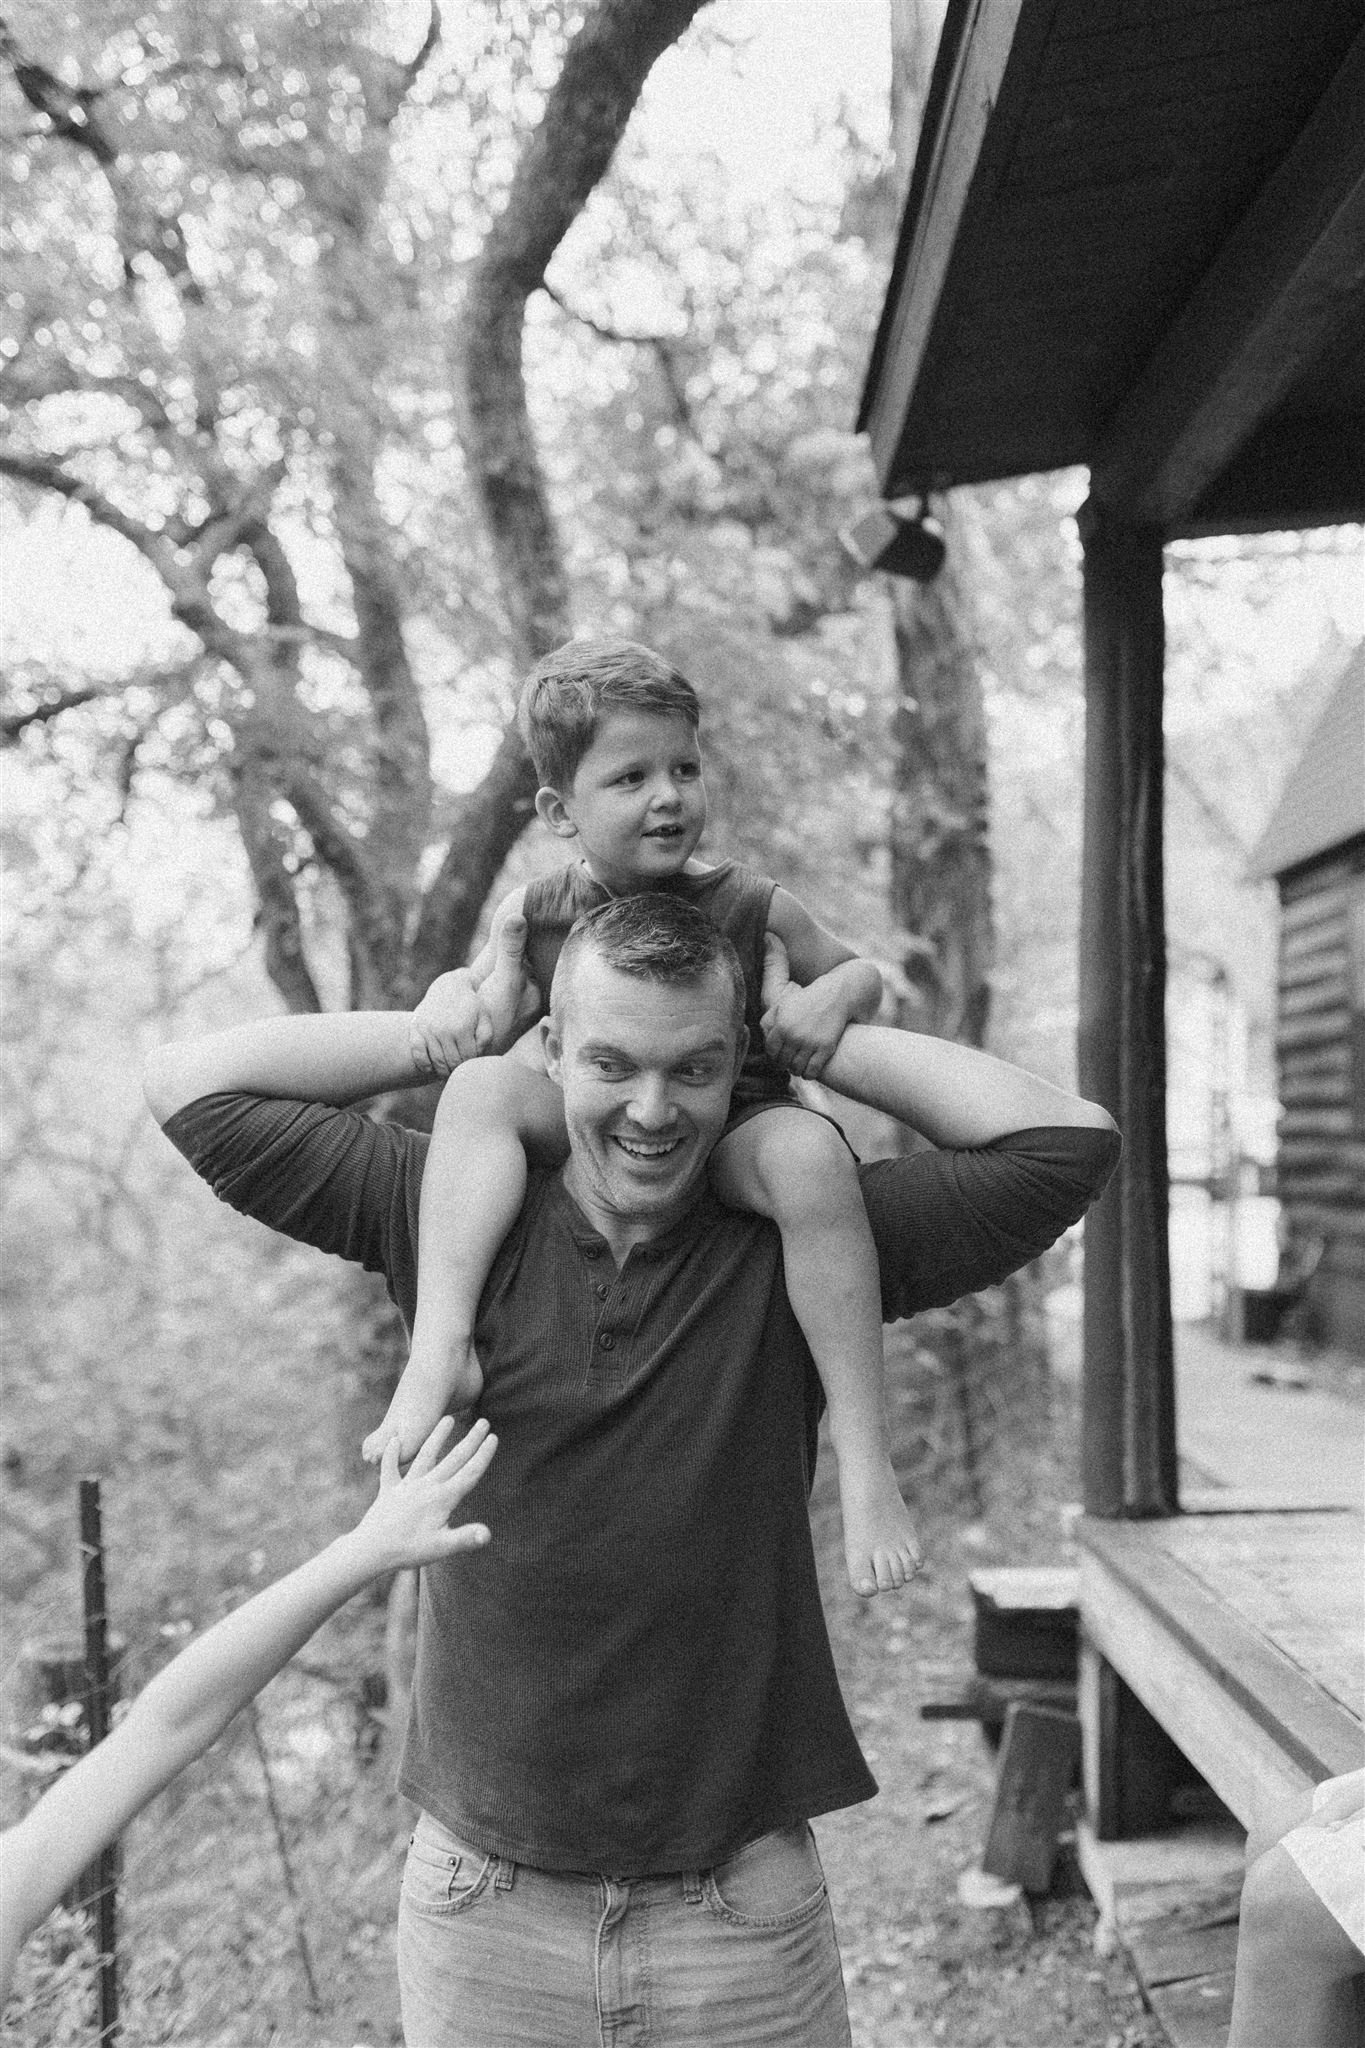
point(618, 887)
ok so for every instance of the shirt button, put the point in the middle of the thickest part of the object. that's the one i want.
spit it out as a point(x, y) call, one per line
point(592, 1251)
point(602, 1289)
point(607, 1341)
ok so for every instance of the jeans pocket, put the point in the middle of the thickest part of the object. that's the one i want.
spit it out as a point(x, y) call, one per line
point(773, 1882)
point(442, 1874)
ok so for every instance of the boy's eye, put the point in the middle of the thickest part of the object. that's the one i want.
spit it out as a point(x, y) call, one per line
point(688, 771)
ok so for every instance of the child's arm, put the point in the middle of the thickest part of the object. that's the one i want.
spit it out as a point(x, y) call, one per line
point(188, 1705)
point(830, 987)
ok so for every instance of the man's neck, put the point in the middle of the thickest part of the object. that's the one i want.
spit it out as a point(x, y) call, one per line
point(622, 1233)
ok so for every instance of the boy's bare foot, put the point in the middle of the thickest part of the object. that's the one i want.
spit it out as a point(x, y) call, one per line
point(881, 1549)
point(422, 1396)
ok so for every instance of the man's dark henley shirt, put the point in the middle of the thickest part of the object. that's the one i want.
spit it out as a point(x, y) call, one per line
point(635, 1676)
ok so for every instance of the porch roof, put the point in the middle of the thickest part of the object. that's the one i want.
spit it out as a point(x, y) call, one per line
point(1135, 239)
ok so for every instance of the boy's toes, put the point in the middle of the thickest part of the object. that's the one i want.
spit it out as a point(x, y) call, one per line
point(372, 1450)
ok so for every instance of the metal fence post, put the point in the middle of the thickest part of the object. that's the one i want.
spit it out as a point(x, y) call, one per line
point(97, 1704)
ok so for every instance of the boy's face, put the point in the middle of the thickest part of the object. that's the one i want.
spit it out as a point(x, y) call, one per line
point(637, 803)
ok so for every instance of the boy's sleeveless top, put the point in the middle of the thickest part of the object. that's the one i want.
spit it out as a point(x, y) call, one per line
point(731, 895)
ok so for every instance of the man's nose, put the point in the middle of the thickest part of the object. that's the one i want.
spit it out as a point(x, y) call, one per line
point(651, 1105)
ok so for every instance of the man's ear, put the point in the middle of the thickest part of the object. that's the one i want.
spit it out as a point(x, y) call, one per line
point(553, 1050)
point(554, 812)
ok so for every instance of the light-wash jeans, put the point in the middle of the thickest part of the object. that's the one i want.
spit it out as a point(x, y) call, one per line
point(493, 1954)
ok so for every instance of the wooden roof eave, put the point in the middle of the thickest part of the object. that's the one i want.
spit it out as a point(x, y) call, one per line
point(1278, 294)
point(975, 97)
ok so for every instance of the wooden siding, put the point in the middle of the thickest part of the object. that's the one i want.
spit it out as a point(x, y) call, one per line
point(1321, 1032)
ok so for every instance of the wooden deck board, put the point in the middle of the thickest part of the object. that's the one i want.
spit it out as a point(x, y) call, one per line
point(1260, 1566)
point(1241, 1634)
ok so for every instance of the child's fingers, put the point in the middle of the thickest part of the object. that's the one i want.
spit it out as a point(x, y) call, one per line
point(431, 1449)
point(388, 1465)
point(461, 1478)
point(469, 1536)
point(459, 1454)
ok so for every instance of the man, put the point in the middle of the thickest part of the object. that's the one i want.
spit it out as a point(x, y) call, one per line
point(625, 1710)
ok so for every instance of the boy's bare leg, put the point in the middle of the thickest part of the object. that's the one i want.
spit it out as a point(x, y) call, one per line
point(794, 1167)
point(1300, 1978)
point(491, 1112)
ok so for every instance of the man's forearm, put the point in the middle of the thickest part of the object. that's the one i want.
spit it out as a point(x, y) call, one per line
point(341, 1057)
point(950, 1093)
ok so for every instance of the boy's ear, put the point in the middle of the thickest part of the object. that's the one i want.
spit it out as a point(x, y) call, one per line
point(554, 812)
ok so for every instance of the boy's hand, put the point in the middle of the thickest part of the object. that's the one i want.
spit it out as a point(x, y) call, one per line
point(801, 1026)
point(408, 1524)
point(449, 1026)
point(510, 998)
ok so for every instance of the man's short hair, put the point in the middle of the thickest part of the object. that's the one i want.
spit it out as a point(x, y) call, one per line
point(654, 938)
point(566, 693)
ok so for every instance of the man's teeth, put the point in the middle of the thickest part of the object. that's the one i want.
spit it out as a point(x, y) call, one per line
point(643, 1151)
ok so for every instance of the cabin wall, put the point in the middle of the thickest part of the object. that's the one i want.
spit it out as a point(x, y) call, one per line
point(1321, 1056)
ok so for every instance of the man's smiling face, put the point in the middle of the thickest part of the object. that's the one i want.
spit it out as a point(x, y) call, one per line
point(646, 1068)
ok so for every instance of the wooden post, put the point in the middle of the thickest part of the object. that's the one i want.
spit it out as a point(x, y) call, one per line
point(1128, 1389)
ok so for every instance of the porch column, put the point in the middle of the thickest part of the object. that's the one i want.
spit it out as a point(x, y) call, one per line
point(1128, 1388)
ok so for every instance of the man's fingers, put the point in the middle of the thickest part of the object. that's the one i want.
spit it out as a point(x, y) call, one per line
point(388, 1465)
point(512, 940)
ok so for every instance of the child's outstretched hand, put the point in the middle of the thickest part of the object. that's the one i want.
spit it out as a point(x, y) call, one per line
point(409, 1522)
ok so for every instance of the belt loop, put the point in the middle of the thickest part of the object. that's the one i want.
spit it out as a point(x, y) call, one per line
point(692, 1887)
point(506, 1874)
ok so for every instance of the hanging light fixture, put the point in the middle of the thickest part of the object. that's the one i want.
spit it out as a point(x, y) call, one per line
point(897, 541)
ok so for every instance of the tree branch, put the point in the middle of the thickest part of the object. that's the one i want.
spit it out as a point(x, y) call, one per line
point(585, 115)
point(12, 723)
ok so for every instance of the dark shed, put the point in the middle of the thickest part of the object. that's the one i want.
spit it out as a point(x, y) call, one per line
point(1314, 848)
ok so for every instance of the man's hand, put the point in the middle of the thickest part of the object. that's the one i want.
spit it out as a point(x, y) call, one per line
point(802, 1027)
point(408, 1524)
point(449, 1025)
point(456, 1021)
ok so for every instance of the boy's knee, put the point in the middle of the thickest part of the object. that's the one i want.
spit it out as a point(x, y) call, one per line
point(489, 1089)
point(804, 1159)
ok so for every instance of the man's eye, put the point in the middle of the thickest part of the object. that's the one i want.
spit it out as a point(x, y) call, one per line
point(610, 1070)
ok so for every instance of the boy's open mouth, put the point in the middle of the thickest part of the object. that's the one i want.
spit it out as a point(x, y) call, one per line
point(664, 832)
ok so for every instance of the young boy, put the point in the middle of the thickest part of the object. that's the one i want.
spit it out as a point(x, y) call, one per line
point(612, 729)
point(189, 1704)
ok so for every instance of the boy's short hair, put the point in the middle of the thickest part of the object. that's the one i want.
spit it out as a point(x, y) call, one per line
point(567, 691)
point(652, 937)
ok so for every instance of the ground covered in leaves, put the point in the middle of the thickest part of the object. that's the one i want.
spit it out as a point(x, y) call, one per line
point(920, 1967)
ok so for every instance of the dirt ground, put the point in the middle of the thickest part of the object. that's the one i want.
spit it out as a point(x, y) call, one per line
point(921, 1968)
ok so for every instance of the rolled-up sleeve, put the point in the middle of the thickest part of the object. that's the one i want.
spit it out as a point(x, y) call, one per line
point(947, 1223)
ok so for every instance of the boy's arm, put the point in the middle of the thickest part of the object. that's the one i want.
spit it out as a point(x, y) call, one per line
point(345, 1056)
point(188, 1705)
point(829, 987)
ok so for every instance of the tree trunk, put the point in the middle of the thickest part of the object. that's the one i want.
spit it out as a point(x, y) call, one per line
point(940, 849)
